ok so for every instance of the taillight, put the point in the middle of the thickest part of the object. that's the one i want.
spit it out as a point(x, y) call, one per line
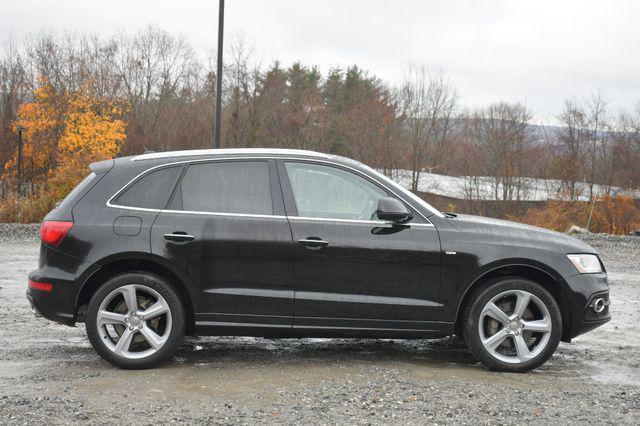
point(52, 232)
point(36, 285)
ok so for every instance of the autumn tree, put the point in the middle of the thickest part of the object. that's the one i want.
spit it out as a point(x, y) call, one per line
point(14, 87)
point(44, 120)
point(93, 131)
point(67, 132)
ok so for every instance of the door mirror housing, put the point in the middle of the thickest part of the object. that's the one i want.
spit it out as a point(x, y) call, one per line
point(393, 210)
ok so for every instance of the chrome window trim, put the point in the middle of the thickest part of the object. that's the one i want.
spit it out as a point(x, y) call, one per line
point(273, 216)
point(253, 158)
point(246, 215)
point(366, 222)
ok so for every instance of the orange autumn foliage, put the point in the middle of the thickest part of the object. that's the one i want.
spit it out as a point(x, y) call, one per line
point(613, 215)
point(92, 133)
point(66, 132)
point(42, 119)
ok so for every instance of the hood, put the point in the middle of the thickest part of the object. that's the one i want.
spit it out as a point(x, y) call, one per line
point(513, 233)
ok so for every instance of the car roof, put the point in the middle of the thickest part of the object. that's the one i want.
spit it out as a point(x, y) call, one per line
point(231, 152)
point(158, 158)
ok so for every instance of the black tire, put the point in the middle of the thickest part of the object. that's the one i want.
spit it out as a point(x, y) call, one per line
point(176, 330)
point(473, 310)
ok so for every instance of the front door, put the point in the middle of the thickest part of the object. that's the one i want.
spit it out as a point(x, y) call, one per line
point(225, 230)
point(353, 271)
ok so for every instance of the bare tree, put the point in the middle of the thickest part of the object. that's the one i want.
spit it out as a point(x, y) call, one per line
point(428, 102)
point(625, 150)
point(573, 138)
point(501, 134)
point(153, 67)
point(597, 122)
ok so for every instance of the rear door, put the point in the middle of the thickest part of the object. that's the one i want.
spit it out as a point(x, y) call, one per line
point(354, 272)
point(225, 230)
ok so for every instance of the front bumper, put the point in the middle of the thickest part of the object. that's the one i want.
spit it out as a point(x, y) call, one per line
point(583, 290)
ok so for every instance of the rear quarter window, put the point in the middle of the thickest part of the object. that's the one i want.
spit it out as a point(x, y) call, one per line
point(150, 191)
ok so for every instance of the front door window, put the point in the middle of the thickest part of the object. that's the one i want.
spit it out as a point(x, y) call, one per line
point(332, 193)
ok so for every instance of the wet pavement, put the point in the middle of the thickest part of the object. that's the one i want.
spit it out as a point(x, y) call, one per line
point(50, 374)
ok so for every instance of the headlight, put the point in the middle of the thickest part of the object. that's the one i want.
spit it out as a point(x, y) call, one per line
point(586, 263)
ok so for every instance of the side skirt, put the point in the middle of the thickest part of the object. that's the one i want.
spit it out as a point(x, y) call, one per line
point(212, 328)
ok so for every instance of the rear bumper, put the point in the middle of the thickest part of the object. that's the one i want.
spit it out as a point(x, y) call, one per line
point(59, 304)
point(584, 289)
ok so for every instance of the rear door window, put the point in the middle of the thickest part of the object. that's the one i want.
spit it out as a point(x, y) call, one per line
point(151, 191)
point(241, 187)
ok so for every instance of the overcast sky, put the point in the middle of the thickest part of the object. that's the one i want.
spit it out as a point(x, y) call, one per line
point(534, 51)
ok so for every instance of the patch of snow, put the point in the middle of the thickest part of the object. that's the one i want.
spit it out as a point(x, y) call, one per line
point(486, 188)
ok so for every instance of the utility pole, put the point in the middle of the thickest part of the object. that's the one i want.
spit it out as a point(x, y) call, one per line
point(20, 130)
point(216, 141)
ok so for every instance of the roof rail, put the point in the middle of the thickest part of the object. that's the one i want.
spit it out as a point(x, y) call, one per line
point(228, 151)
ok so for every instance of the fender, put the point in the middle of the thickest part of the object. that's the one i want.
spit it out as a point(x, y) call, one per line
point(103, 263)
point(503, 264)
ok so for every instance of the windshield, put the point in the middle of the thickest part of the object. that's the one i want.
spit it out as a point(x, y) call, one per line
point(404, 191)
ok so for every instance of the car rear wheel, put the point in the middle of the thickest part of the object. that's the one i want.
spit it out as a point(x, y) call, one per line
point(512, 325)
point(136, 320)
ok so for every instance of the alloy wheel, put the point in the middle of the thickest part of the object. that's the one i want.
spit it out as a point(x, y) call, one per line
point(134, 321)
point(515, 326)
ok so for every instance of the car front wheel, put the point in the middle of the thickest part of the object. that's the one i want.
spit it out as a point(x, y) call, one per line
point(136, 320)
point(512, 325)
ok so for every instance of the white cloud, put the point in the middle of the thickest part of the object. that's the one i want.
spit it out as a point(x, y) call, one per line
point(538, 51)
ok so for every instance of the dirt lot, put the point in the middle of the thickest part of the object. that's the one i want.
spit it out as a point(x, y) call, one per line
point(50, 374)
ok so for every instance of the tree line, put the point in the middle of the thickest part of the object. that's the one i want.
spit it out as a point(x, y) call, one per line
point(85, 98)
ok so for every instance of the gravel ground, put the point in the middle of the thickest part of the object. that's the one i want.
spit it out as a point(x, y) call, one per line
point(49, 373)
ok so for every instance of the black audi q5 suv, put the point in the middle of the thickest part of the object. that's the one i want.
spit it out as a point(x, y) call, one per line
point(287, 243)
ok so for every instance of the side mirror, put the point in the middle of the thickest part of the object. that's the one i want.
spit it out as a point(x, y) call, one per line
point(393, 210)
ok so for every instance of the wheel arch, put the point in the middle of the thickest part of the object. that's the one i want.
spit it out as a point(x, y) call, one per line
point(140, 262)
point(549, 279)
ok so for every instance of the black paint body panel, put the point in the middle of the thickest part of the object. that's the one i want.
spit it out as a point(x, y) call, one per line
point(249, 275)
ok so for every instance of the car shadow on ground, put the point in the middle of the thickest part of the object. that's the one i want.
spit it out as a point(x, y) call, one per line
point(246, 352)
point(242, 349)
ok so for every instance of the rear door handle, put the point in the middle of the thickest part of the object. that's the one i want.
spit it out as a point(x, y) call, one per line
point(179, 237)
point(313, 243)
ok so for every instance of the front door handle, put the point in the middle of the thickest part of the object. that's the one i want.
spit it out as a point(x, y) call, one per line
point(313, 243)
point(179, 237)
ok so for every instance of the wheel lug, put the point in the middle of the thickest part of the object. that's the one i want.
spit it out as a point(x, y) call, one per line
point(131, 327)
